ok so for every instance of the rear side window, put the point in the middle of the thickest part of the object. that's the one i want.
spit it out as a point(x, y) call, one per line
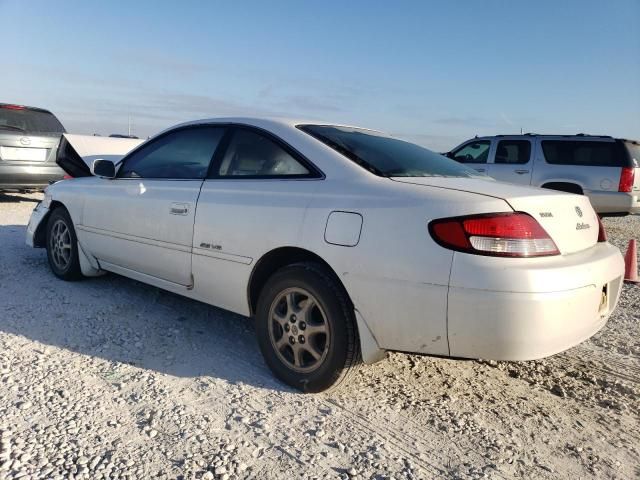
point(386, 156)
point(474, 152)
point(181, 154)
point(513, 152)
point(586, 153)
point(25, 120)
point(252, 155)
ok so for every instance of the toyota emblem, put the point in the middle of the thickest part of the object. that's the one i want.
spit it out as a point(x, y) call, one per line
point(578, 211)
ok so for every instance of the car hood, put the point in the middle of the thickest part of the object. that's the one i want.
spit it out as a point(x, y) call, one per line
point(569, 219)
point(76, 153)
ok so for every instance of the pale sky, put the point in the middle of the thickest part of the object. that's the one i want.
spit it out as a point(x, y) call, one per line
point(434, 72)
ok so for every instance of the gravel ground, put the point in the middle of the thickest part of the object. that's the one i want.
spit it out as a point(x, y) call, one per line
point(110, 378)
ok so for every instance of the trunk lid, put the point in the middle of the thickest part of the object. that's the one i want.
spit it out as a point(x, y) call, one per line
point(569, 219)
point(25, 148)
point(76, 153)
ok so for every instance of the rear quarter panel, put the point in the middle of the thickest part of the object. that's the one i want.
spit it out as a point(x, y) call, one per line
point(396, 276)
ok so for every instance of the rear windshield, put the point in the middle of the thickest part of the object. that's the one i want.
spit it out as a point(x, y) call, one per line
point(587, 153)
point(386, 156)
point(634, 152)
point(24, 120)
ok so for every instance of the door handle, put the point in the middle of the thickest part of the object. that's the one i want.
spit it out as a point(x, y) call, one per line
point(480, 170)
point(520, 172)
point(179, 209)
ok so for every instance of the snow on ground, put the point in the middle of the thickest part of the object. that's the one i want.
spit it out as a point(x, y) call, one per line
point(110, 378)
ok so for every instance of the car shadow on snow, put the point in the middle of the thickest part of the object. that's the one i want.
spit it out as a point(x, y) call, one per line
point(124, 321)
point(10, 197)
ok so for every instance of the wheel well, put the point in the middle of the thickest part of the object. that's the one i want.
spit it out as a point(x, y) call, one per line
point(40, 237)
point(273, 261)
point(564, 187)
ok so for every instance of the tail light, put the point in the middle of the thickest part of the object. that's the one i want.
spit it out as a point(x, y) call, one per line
point(12, 107)
point(497, 234)
point(66, 176)
point(602, 233)
point(626, 179)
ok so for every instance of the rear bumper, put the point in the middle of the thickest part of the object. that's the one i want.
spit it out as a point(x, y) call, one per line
point(18, 177)
point(540, 309)
point(615, 202)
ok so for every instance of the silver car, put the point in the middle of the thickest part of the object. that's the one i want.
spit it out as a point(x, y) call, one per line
point(603, 168)
point(29, 138)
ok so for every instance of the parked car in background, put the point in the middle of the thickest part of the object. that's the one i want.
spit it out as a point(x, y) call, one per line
point(605, 169)
point(29, 138)
point(342, 242)
point(122, 135)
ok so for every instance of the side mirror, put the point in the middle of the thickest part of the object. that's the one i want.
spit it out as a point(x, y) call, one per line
point(103, 168)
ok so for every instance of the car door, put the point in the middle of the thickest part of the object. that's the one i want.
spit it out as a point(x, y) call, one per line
point(474, 154)
point(142, 221)
point(512, 161)
point(253, 201)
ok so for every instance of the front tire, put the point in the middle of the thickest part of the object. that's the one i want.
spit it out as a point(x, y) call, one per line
point(306, 328)
point(62, 246)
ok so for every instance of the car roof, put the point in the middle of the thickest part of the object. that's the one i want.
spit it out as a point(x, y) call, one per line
point(546, 135)
point(25, 107)
point(267, 122)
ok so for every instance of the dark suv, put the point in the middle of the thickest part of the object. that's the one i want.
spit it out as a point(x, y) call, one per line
point(29, 138)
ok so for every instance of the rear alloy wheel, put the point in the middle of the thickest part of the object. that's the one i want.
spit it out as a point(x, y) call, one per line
point(299, 330)
point(62, 246)
point(306, 328)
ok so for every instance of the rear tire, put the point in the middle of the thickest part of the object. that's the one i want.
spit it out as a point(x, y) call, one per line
point(62, 246)
point(306, 328)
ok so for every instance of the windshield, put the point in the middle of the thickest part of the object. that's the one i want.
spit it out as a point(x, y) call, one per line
point(25, 120)
point(386, 156)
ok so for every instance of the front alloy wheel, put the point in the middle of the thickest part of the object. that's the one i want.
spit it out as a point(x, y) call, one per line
point(62, 245)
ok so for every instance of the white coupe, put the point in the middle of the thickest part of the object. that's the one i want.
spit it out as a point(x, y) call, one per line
point(342, 243)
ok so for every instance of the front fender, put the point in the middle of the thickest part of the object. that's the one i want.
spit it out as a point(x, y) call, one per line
point(36, 237)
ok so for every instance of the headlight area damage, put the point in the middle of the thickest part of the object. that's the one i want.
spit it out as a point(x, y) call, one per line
point(76, 153)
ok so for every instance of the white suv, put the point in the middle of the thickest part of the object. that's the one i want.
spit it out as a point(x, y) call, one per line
point(603, 168)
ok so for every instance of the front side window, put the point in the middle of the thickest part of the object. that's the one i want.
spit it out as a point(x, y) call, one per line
point(587, 153)
point(182, 154)
point(386, 156)
point(513, 152)
point(252, 155)
point(474, 152)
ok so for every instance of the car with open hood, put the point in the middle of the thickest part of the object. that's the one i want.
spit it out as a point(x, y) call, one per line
point(342, 243)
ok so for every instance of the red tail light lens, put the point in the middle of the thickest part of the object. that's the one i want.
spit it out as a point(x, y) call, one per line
point(67, 177)
point(602, 233)
point(12, 107)
point(626, 179)
point(498, 234)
